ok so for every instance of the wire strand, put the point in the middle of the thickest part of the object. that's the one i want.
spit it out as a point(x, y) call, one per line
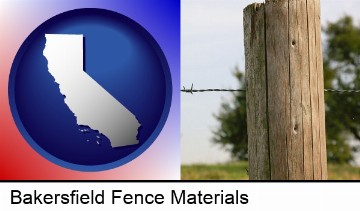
point(192, 90)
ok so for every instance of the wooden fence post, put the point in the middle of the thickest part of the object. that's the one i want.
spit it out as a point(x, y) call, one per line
point(285, 90)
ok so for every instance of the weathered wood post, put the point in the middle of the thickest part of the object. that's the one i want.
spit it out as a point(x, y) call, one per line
point(285, 90)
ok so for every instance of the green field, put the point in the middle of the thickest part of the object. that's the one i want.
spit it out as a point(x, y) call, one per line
point(238, 171)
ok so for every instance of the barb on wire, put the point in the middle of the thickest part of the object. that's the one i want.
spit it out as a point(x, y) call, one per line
point(192, 90)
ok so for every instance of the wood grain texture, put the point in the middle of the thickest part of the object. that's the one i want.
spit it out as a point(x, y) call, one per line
point(254, 31)
point(306, 103)
point(277, 65)
point(314, 89)
point(319, 65)
point(249, 75)
point(285, 90)
point(298, 43)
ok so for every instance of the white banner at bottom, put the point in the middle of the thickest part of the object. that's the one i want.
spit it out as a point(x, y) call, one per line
point(178, 196)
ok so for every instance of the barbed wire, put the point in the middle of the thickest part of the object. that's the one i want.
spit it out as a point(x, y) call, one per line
point(192, 90)
point(344, 91)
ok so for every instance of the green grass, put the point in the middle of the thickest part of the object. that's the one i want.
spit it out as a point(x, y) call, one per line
point(228, 171)
point(238, 171)
point(343, 172)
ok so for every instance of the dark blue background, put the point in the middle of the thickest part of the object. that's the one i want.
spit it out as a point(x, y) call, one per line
point(120, 55)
